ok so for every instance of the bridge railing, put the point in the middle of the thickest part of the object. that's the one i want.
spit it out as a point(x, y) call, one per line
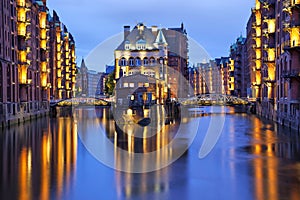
point(213, 99)
point(79, 101)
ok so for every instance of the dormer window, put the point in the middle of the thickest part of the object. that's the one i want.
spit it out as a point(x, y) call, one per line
point(127, 45)
point(141, 44)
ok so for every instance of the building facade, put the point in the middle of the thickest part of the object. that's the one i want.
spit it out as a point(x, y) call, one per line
point(63, 60)
point(212, 77)
point(25, 44)
point(288, 63)
point(101, 87)
point(273, 41)
point(87, 81)
point(224, 65)
point(156, 53)
point(241, 74)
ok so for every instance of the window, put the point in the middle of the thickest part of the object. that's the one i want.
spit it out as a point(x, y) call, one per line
point(131, 85)
point(122, 62)
point(146, 62)
point(125, 85)
point(138, 62)
point(141, 44)
point(161, 60)
point(131, 62)
point(152, 61)
point(127, 45)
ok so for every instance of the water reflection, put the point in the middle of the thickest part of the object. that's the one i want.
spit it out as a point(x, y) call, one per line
point(253, 159)
point(132, 147)
point(38, 159)
point(272, 148)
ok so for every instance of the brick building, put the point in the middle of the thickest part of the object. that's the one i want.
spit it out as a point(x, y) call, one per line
point(25, 60)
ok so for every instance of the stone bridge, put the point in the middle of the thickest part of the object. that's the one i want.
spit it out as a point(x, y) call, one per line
point(85, 101)
point(214, 99)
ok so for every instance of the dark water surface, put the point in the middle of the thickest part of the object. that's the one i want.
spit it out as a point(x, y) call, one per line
point(46, 159)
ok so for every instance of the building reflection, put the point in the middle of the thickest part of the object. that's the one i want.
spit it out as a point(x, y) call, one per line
point(270, 180)
point(37, 158)
point(132, 139)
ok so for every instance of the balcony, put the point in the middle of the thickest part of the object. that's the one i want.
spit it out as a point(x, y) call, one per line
point(295, 4)
point(256, 68)
point(268, 80)
point(289, 74)
point(291, 45)
point(256, 84)
point(25, 82)
point(289, 25)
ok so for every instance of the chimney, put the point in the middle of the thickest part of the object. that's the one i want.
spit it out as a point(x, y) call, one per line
point(126, 31)
point(154, 30)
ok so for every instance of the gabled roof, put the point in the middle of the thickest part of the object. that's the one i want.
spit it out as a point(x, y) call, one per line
point(140, 34)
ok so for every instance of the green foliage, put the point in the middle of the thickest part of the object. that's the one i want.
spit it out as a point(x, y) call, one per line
point(110, 84)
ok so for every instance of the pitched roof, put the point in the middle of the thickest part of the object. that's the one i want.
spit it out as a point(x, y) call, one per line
point(160, 39)
point(82, 64)
point(140, 34)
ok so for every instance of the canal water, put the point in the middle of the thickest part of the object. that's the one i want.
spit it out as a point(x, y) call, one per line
point(61, 158)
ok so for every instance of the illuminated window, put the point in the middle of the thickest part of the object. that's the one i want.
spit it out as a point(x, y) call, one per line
point(125, 85)
point(141, 44)
point(127, 45)
point(131, 85)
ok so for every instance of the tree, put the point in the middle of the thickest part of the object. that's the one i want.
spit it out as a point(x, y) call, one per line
point(110, 84)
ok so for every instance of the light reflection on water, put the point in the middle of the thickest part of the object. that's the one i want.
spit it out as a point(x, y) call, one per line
point(253, 159)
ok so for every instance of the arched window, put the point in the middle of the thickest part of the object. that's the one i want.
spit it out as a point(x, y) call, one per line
point(145, 61)
point(131, 61)
point(138, 62)
point(122, 62)
point(152, 61)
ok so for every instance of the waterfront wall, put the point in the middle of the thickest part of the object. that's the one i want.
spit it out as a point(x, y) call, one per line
point(267, 111)
point(16, 113)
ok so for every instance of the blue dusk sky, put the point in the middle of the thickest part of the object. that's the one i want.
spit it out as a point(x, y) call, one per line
point(214, 24)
